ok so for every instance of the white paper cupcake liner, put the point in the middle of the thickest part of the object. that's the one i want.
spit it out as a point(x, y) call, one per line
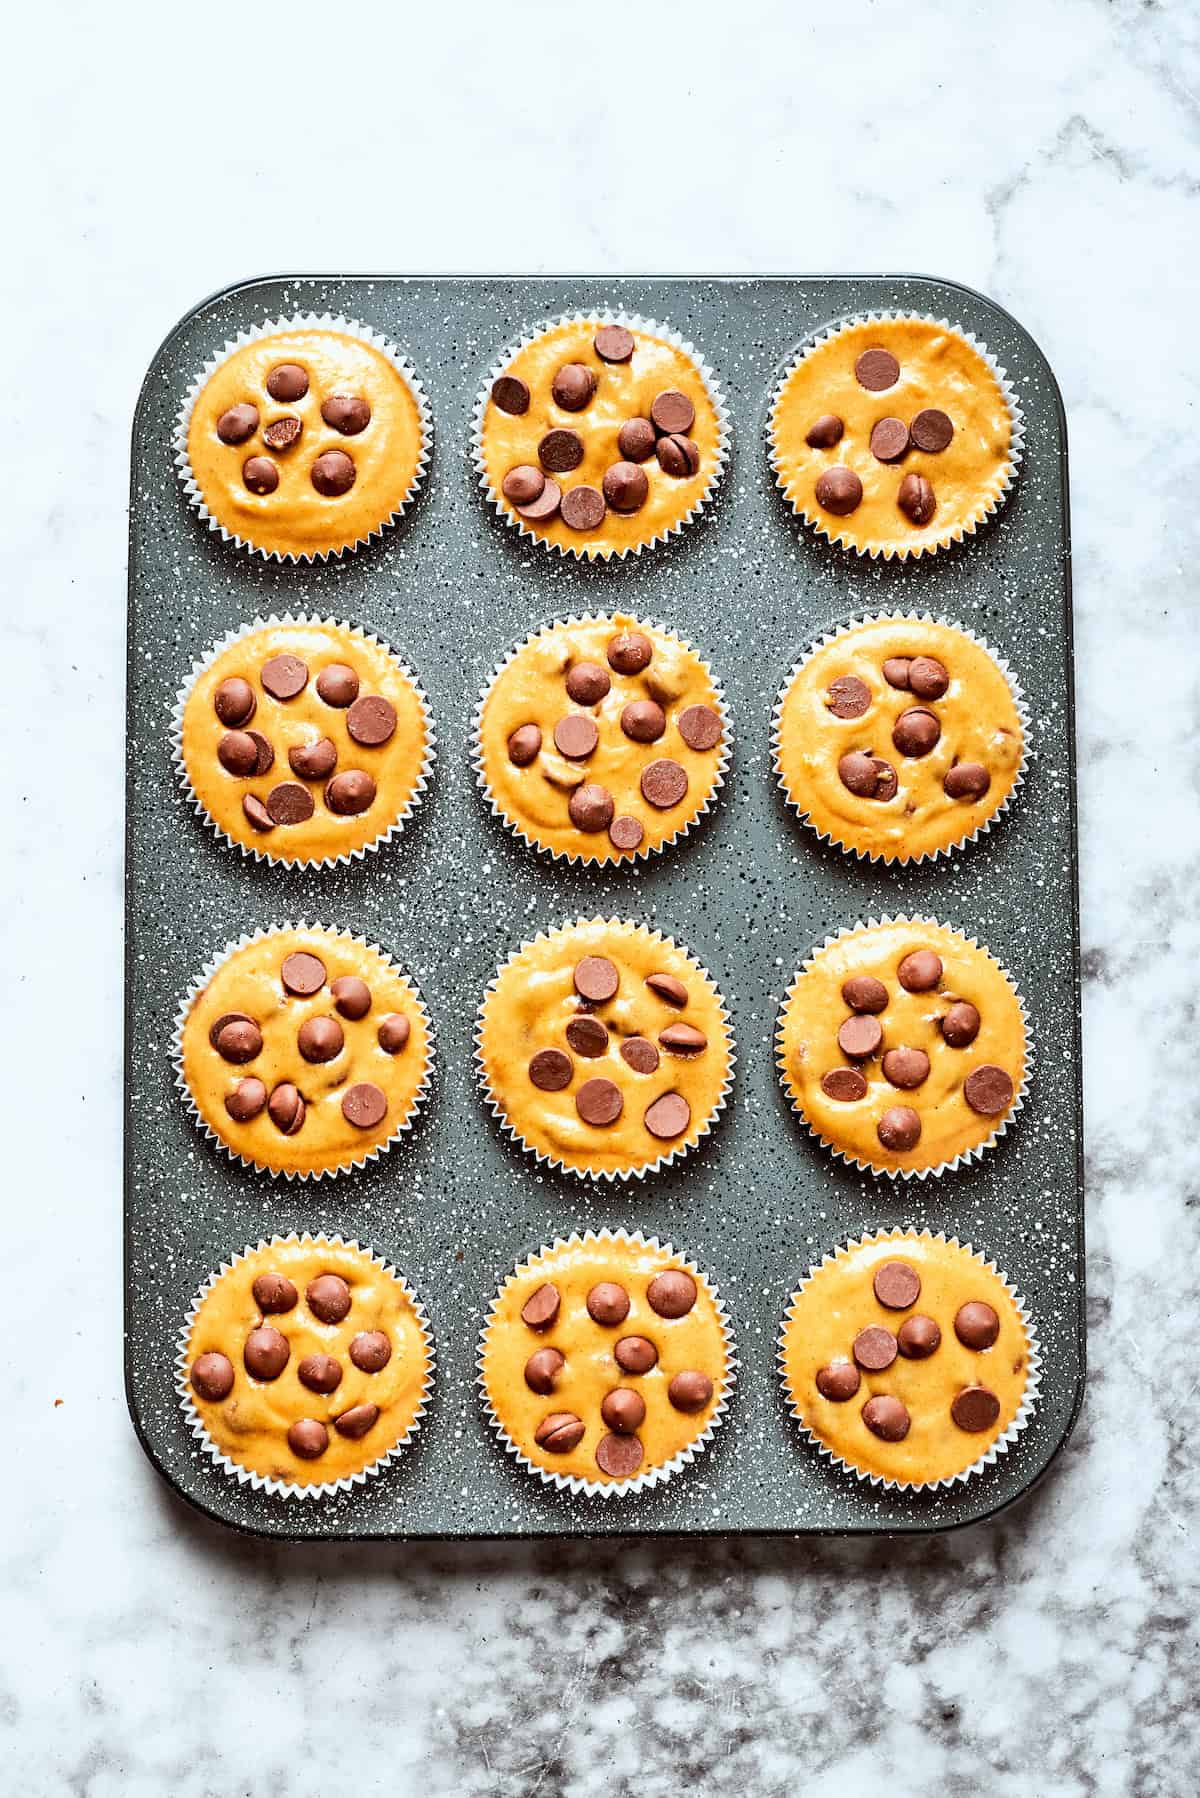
point(650, 1476)
point(845, 630)
point(552, 1162)
point(581, 857)
point(633, 321)
point(1003, 1442)
point(201, 980)
point(965, 1156)
point(343, 858)
point(305, 321)
point(837, 531)
point(259, 1482)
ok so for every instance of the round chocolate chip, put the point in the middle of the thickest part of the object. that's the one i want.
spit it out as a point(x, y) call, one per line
point(320, 1039)
point(313, 761)
point(862, 992)
point(619, 1456)
point(839, 1381)
point(967, 780)
point(542, 1369)
point(511, 394)
point(700, 727)
point(668, 1117)
point(394, 1031)
point(858, 773)
point(886, 1417)
point(332, 474)
point(690, 1390)
point(307, 1438)
point(623, 1410)
point(625, 487)
point(668, 987)
point(846, 1085)
point(337, 685)
point(931, 431)
point(543, 508)
point(915, 499)
point(573, 386)
point(596, 979)
point(522, 484)
point(897, 1285)
point(347, 413)
point(896, 672)
point(266, 1353)
point(371, 1350)
point(683, 1039)
point(212, 1376)
point(976, 1324)
point(672, 1293)
point(550, 1070)
point(371, 720)
point(928, 677)
point(643, 720)
point(259, 475)
point(636, 1354)
point(357, 1421)
point(541, 1307)
point(640, 1054)
point(874, 1348)
point(287, 382)
point(889, 439)
point(302, 974)
point(663, 784)
point(827, 431)
point(290, 803)
point(988, 1090)
point(560, 451)
point(350, 793)
point(320, 1373)
point(364, 1105)
point(583, 508)
point(848, 697)
point(283, 433)
point(613, 343)
point(351, 996)
point(636, 439)
point(590, 808)
point(608, 1303)
point(899, 1129)
point(576, 736)
point(588, 683)
point(599, 1102)
point(234, 702)
point(960, 1026)
point(286, 1109)
point(328, 1298)
point(588, 1037)
point(859, 1036)
point(920, 971)
point(678, 456)
point(629, 652)
point(274, 1293)
point(975, 1408)
point(559, 1433)
point(238, 423)
point(246, 1100)
point(876, 370)
point(918, 1337)
point(524, 745)
point(284, 676)
point(916, 732)
point(236, 1038)
point(906, 1068)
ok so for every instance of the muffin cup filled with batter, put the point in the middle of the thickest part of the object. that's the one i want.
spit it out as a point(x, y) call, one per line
point(303, 741)
point(604, 1049)
point(303, 438)
point(904, 1046)
point(602, 738)
point(606, 1363)
point(895, 435)
point(909, 1360)
point(304, 1366)
point(303, 1050)
point(600, 434)
point(899, 737)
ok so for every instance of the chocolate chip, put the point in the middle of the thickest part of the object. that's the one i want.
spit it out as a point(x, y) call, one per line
point(320, 1373)
point(238, 423)
point(906, 1068)
point(236, 1038)
point(839, 1381)
point(975, 1408)
point(669, 988)
point(846, 1085)
point(915, 499)
point(619, 1456)
point(673, 413)
point(284, 676)
point(862, 992)
point(290, 803)
point(976, 1324)
point(237, 753)
point(931, 431)
point(393, 1032)
point(967, 780)
point(623, 1410)
point(266, 1353)
point(678, 456)
point(683, 1039)
point(608, 1303)
point(827, 431)
point(629, 652)
point(874, 1348)
point(838, 490)
point(332, 474)
point(625, 487)
point(313, 761)
point(916, 732)
point(700, 727)
point(671, 1294)
point(896, 672)
point(876, 370)
point(542, 1369)
point(690, 1390)
point(848, 697)
point(307, 1438)
point(899, 1129)
point(559, 1433)
point(889, 439)
point(663, 784)
point(257, 814)
point(266, 755)
point(328, 1298)
point(596, 979)
point(212, 1376)
point(918, 1337)
point(920, 971)
point(928, 677)
point(543, 508)
point(583, 508)
point(283, 433)
point(541, 1307)
point(511, 394)
point(599, 1102)
point(364, 1105)
point(576, 736)
point(524, 745)
point(320, 1039)
point(588, 683)
point(886, 1417)
point(988, 1090)
point(886, 782)
point(588, 1037)
point(357, 1421)
point(259, 475)
point(274, 1293)
point(573, 386)
point(643, 720)
point(351, 996)
point(590, 808)
point(668, 1117)
point(640, 1054)
point(550, 1070)
point(636, 439)
point(613, 343)
point(234, 702)
point(347, 413)
point(960, 1026)
point(350, 793)
point(302, 974)
point(859, 1036)
point(246, 1100)
point(522, 484)
point(897, 1285)
point(286, 1109)
point(636, 1354)
point(287, 382)
point(371, 720)
point(560, 451)
point(337, 685)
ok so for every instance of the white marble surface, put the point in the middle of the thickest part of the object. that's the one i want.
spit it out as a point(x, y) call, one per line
point(1047, 154)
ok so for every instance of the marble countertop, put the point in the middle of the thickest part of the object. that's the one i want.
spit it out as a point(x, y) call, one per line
point(1045, 155)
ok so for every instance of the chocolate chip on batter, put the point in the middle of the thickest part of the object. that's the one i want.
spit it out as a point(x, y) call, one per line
point(683, 1039)
point(640, 1054)
point(238, 423)
point(858, 773)
point(599, 1102)
point(573, 386)
point(287, 382)
point(931, 431)
point(690, 1390)
point(550, 1070)
point(524, 745)
point(918, 1337)
point(307, 1438)
point(350, 793)
point(889, 439)
point(212, 1376)
point(967, 780)
point(608, 1303)
point(286, 1109)
point(364, 1105)
point(859, 1036)
point(522, 484)
point(284, 676)
point(587, 1036)
point(583, 508)
point(669, 988)
point(283, 433)
point(234, 702)
point(700, 727)
point(302, 973)
point(906, 1068)
point(862, 992)
point(559, 1432)
point(346, 412)
point(643, 720)
point(623, 1410)
point(916, 732)
point(576, 736)
point(274, 1293)
point(899, 1129)
point(560, 451)
point(928, 677)
point(320, 1039)
point(320, 1373)
point(619, 1456)
point(920, 971)
point(259, 475)
point(371, 720)
point(848, 697)
point(541, 1307)
point(886, 1417)
point(626, 487)
point(671, 1293)
point(663, 784)
point(636, 439)
point(896, 671)
point(668, 1117)
point(636, 1354)
point(257, 814)
point(236, 1037)
point(337, 685)
point(613, 343)
point(246, 1100)
point(394, 1031)
point(596, 978)
point(590, 808)
point(874, 1348)
point(988, 1090)
point(960, 1026)
point(542, 1369)
point(678, 456)
point(356, 1422)
point(629, 652)
point(839, 1381)
point(328, 1298)
point(332, 474)
point(237, 753)
point(266, 1353)
point(975, 1408)
point(313, 761)
point(976, 1324)
point(846, 1085)
point(511, 394)
point(876, 370)
point(290, 803)
point(897, 1284)
point(542, 509)
point(673, 412)
point(915, 499)
point(825, 432)
point(588, 683)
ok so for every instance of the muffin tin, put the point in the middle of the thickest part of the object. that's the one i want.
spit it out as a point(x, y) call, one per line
point(751, 892)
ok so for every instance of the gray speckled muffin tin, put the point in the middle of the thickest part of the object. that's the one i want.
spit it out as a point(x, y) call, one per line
point(750, 892)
